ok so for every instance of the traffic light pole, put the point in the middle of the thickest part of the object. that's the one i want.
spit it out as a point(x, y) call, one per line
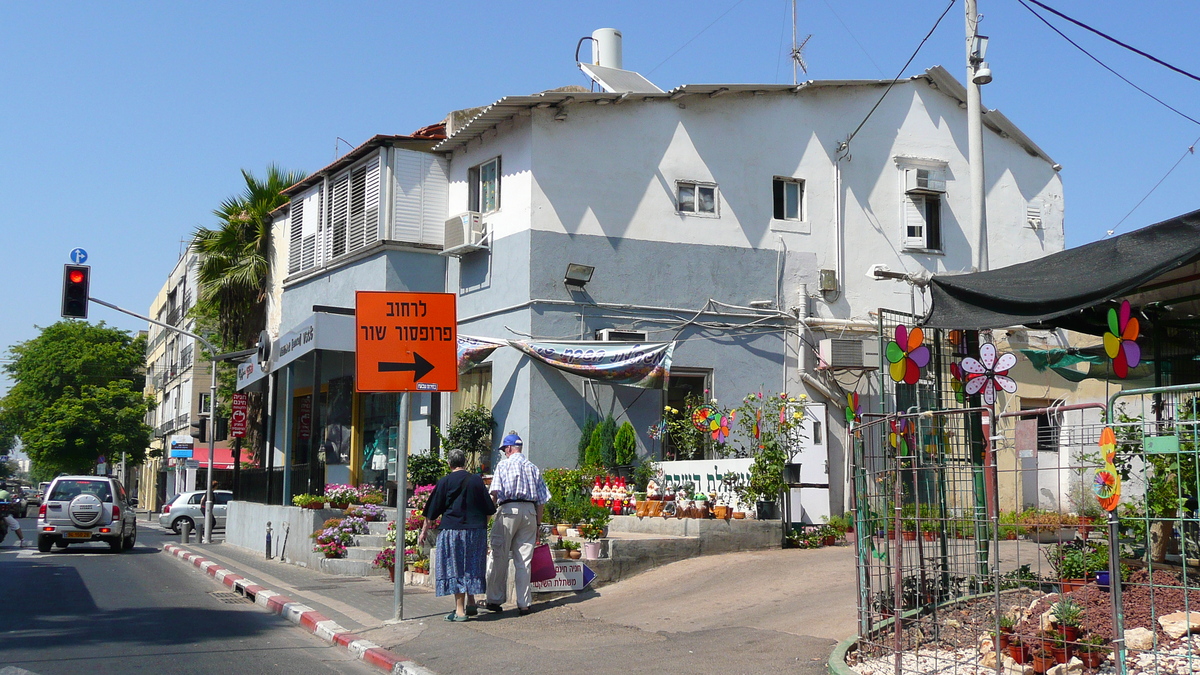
point(212, 403)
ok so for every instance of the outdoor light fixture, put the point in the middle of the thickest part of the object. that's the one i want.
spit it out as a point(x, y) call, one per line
point(983, 74)
point(578, 275)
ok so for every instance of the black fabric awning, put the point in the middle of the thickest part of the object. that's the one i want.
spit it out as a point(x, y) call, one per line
point(1069, 289)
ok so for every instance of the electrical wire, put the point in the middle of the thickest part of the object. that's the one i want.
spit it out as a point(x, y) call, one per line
point(714, 21)
point(1112, 39)
point(1191, 150)
point(846, 144)
point(1103, 64)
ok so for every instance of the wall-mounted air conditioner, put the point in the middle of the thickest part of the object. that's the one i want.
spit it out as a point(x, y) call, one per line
point(464, 233)
point(614, 335)
point(849, 353)
point(924, 181)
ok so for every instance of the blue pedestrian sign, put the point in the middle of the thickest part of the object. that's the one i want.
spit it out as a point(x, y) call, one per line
point(78, 256)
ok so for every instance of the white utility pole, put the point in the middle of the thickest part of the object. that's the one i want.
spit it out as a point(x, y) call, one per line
point(978, 74)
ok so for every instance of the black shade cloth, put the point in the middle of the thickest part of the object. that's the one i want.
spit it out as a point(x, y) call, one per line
point(1067, 289)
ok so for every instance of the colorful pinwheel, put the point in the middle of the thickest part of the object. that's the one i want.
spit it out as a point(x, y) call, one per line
point(656, 431)
point(1107, 485)
point(956, 382)
point(1120, 342)
point(898, 438)
point(720, 428)
point(853, 409)
point(907, 354)
point(756, 427)
point(702, 417)
point(987, 373)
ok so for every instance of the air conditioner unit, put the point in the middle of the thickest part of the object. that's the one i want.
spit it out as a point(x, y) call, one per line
point(849, 353)
point(924, 181)
point(464, 233)
point(614, 335)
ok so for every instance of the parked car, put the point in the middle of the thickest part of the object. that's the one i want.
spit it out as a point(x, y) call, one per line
point(79, 509)
point(186, 508)
point(33, 499)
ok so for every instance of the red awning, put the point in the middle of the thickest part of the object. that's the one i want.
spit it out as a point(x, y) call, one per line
point(222, 457)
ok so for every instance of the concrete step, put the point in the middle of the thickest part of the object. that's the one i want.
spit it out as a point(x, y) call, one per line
point(378, 527)
point(348, 567)
point(370, 540)
point(361, 553)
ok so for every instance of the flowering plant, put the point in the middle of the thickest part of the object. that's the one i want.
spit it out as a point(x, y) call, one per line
point(369, 510)
point(386, 559)
point(420, 498)
point(390, 537)
point(421, 566)
point(354, 525)
point(687, 441)
point(331, 548)
point(341, 494)
point(332, 534)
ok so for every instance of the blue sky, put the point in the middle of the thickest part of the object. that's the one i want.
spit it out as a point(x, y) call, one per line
point(123, 124)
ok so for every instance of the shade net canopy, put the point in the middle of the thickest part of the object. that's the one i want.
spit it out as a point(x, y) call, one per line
point(1071, 289)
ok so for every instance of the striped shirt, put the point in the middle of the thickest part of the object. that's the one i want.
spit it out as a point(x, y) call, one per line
point(517, 478)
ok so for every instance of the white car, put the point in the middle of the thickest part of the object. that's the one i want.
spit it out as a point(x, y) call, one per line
point(185, 507)
point(80, 509)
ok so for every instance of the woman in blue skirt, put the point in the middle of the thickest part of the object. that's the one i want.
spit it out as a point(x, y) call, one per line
point(463, 503)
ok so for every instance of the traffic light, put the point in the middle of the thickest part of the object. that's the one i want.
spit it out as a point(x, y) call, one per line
point(200, 429)
point(220, 429)
point(76, 279)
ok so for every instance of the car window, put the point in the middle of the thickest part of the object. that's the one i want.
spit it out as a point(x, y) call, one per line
point(222, 498)
point(195, 499)
point(66, 490)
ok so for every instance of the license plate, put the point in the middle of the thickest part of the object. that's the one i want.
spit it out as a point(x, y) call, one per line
point(79, 535)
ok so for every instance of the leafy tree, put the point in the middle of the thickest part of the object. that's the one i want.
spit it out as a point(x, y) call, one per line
point(585, 440)
point(471, 431)
point(625, 445)
point(600, 452)
point(77, 395)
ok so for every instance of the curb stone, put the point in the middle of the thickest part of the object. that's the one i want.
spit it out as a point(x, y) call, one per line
point(303, 616)
point(837, 659)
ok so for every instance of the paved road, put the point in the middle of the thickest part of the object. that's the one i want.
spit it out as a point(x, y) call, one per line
point(88, 610)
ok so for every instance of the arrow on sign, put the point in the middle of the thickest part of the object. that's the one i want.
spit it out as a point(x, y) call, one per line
point(419, 367)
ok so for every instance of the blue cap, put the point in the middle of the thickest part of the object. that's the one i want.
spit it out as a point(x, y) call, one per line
point(511, 439)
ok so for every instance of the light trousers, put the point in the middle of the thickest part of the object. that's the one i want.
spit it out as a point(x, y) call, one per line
point(514, 534)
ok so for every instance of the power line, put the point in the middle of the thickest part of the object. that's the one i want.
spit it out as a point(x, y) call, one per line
point(1102, 64)
point(1112, 39)
point(846, 145)
point(714, 22)
point(1190, 151)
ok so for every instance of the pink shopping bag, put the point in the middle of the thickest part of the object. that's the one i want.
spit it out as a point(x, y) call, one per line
point(542, 567)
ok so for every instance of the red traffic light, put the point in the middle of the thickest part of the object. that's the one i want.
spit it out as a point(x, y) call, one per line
point(76, 276)
point(75, 291)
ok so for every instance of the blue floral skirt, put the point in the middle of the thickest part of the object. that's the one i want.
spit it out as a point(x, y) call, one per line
point(461, 565)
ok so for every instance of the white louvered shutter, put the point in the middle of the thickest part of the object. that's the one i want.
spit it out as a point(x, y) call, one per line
point(409, 169)
point(295, 236)
point(337, 215)
point(371, 219)
point(435, 200)
point(914, 221)
point(305, 231)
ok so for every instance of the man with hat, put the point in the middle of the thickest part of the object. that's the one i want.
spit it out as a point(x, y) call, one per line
point(520, 495)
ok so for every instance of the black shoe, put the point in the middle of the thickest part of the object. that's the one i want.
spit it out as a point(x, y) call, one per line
point(524, 610)
point(493, 607)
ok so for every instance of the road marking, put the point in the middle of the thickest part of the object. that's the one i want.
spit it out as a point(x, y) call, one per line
point(30, 553)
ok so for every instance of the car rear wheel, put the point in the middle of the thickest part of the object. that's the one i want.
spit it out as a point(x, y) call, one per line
point(43, 544)
point(130, 540)
point(177, 526)
point(115, 545)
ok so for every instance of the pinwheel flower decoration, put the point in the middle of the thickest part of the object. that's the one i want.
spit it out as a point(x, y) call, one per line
point(720, 428)
point(989, 373)
point(907, 354)
point(956, 382)
point(853, 409)
point(702, 417)
point(1107, 485)
point(898, 437)
point(656, 431)
point(1120, 342)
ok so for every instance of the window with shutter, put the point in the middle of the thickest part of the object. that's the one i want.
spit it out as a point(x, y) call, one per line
point(419, 197)
point(296, 236)
point(923, 183)
point(337, 215)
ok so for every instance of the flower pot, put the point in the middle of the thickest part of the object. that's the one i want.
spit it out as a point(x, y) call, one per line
point(1002, 641)
point(1042, 662)
point(1069, 585)
point(929, 536)
point(1102, 579)
point(1070, 633)
point(561, 529)
point(314, 507)
point(574, 555)
point(1018, 652)
point(1091, 659)
point(392, 574)
point(891, 535)
point(738, 515)
point(591, 550)
point(1061, 655)
point(339, 505)
point(370, 519)
point(909, 536)
point(722, 512)
point(828, 541)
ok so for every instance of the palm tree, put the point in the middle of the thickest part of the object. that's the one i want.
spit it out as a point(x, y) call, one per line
point(236, 257)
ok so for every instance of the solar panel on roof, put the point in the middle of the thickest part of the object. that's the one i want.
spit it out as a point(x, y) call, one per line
point(617, 81)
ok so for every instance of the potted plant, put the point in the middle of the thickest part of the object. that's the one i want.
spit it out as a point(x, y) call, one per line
point(1068, 614)
point(1092, 650)
point(766, 479)
point(421, 566)
point(1006, 625)
point(340, 496)
point(908, 522)
point(1042, 659)
point(1059, 649)
point(386, 559)
point(593, 534)
point(1017, 650)
point(572, 549)
point(308, 501)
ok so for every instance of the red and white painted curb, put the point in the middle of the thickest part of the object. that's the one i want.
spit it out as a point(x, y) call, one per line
point(302, 615)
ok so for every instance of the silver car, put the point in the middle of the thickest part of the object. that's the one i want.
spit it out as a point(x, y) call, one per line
point(79, 509)
point(185, 507)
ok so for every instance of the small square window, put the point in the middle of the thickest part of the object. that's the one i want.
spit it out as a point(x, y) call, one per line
point(484, 187)
point(698, 198)
point(788, 198)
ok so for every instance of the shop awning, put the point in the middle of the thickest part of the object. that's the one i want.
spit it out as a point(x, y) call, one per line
point(1156, 264)
point(222, 457)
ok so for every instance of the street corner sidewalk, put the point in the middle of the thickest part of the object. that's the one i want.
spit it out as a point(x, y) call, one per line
point(300, 614)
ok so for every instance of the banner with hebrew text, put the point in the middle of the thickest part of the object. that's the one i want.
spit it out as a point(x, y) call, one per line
point(473, 350)
point(644, 365)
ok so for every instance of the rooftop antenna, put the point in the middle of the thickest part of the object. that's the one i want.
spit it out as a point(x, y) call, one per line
point(798, 50)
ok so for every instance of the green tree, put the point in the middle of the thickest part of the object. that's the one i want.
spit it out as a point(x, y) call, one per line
point(625, 445)
point(471, 431)
point(585, 440)
point(235, 264)
point(77, 394)
point(600, 452)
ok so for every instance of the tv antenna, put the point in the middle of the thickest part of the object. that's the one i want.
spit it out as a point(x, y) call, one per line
point(798, 49)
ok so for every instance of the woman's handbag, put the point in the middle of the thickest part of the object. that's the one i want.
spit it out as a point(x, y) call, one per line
point(542, 567)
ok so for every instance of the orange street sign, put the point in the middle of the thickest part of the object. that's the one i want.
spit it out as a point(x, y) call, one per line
point(406, 341)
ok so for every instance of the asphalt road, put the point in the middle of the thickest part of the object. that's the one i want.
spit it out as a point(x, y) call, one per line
point(86, 610)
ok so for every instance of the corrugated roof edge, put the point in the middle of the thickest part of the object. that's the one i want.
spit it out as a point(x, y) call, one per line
point(424, 138)
point(508, 106)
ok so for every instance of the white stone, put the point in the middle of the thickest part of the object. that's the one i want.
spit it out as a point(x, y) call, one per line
point(1141, 639)
point(1180, 623)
